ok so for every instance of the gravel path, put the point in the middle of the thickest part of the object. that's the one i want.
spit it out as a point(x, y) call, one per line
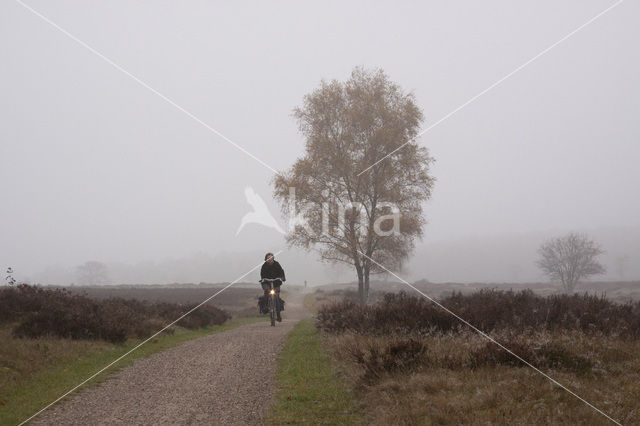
point(224, 378)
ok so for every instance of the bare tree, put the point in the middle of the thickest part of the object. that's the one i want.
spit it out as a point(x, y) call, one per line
point(570, 258)
point(344, 214)
point(92, 273)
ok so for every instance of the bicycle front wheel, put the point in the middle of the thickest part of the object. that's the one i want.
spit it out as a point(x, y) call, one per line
point(272, 310)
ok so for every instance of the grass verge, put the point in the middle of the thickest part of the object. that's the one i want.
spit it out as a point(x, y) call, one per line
point(310, 392)
point(25, 395)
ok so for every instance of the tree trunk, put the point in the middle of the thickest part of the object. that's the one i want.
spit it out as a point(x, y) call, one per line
point(366, 284)
point(361, 293)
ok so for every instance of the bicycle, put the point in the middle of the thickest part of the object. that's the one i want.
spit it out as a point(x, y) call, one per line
point(272, 299)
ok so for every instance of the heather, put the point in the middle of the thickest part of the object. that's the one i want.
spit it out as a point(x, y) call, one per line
point(36, 311)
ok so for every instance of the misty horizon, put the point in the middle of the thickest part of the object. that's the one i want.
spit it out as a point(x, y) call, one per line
point(96, 167)
point(511, 259)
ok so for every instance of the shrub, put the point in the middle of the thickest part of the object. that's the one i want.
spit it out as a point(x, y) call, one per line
point(204, 316)
point(545, 356)
point(382, 355)
point(391, 356)
point(15, 301)
point(487, 310)
point(57, 312)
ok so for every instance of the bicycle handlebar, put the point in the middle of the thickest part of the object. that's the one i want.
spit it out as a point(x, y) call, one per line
point(271, 279)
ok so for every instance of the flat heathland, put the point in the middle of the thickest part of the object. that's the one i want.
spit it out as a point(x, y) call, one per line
point(238, 300)
point(617, 291)
point(408, 361)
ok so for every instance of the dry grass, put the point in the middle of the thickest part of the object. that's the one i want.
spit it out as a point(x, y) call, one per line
point(403, 374)
point(441, 388)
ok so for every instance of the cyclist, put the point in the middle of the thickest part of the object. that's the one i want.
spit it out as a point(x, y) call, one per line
point(272, 269)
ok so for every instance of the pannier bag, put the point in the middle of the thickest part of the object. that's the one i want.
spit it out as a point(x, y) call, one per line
point(263, 305)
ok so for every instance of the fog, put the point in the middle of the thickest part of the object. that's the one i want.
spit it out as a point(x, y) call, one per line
point(96, 166)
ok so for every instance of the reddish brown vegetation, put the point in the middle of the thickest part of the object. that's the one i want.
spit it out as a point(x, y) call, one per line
point(56, 312)
point(488, 310)
point(411, 362)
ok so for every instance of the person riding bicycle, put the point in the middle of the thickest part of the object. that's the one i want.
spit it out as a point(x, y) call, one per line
point(271, 269)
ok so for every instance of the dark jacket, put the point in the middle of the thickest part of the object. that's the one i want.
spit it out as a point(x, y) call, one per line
point(272, 271)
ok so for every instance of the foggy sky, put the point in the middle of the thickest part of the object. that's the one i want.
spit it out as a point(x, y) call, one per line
point(93, 166)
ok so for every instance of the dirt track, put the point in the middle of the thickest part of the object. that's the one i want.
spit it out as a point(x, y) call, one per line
point(225, 378)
